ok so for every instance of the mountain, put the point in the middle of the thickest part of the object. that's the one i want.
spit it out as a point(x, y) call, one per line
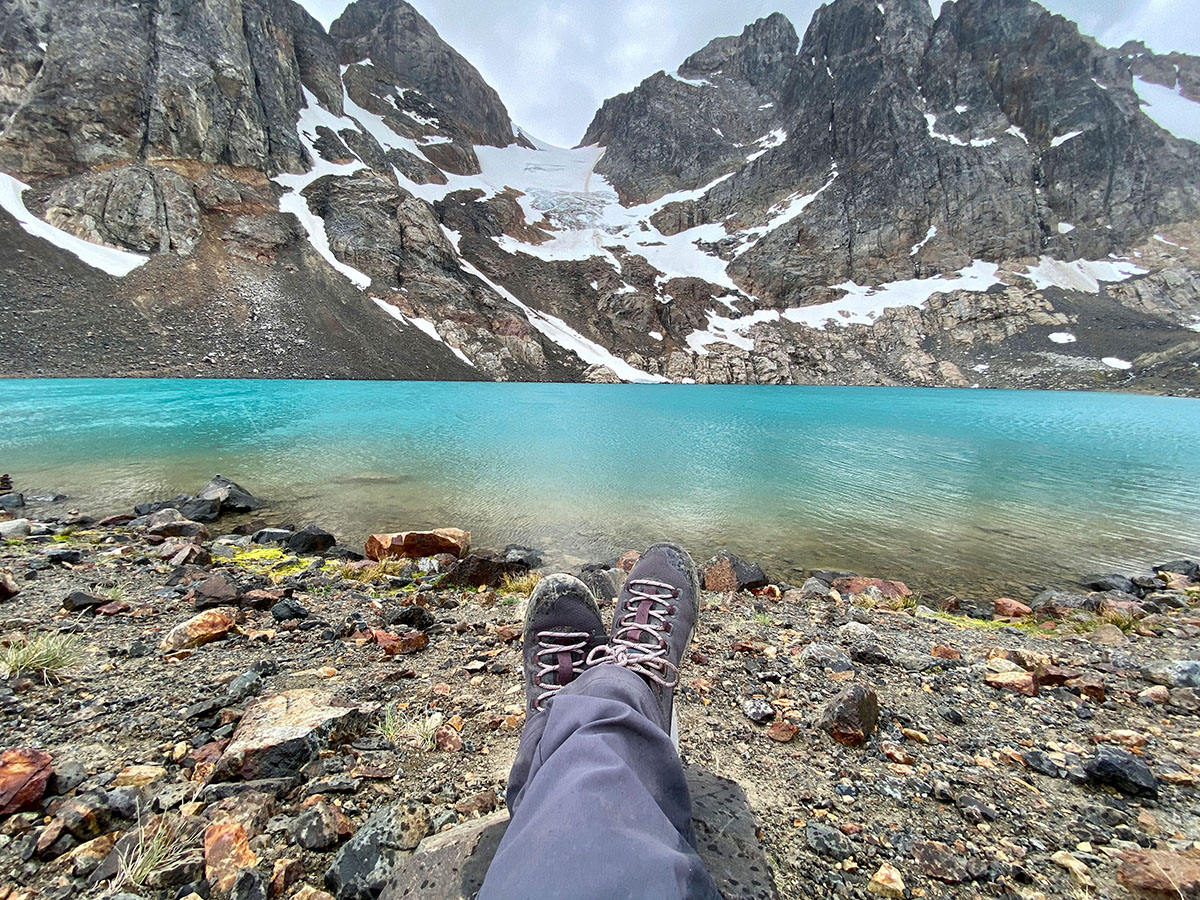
point(985, 197)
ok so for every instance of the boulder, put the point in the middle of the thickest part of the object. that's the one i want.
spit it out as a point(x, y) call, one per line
point(1009, 608)
point(24, 773)
point(8, 585)
point(1174, 673)
point(482, 569)
point(216, 590)
point(210, 625)
point(321, 826)
point(727, 572)
point(278, 735)
point(1063, 603)
point(826, 656)
point(231, 496)
point(310, 539)
point(850, 717)
point(1019, 682)
point(226, 853)
point(76, 601)
point(1181, 566)
point(270, 536)
point(418, 544)
point(12, 501)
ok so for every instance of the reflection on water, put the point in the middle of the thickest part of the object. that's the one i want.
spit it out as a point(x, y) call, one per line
point(950, 489)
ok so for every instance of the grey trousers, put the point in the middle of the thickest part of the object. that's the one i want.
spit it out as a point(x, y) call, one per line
point(600, 808)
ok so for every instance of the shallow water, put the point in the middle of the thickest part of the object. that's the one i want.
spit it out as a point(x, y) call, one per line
point(954, 490)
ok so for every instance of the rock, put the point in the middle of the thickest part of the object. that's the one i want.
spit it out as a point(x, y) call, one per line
point(67, 776)
point(285, 873)
point(814, 589)
point(321, 826)
point(1041, 763)
point(826, 656)
point(855, 631)
point(897, 754)
point(853, 585)
point(758, 710)
point(1108, 583)
point(522, 554)
point(210, 625)
point(1160, 874)
point(77, 601)
point(84, 859)
point(627, 560)
point(245, 686)
point(1009, 608)
point(827, 842)
point(604, 582)
point(288, 609)
point(1122, 770)
point(216, 590)
point(850, 716)
point(937, 860)
point(872, 653)
point(402, 644)
point(726, 572)
point(447, 740)
point(24, 773)
point(886, 882)
point(270, 536)
point(781, 731)
point(1019, 682)
point(139, 776)
point(311, 539)
point(482, 570)
point(17, 528)
point(369, 860)
point(1063, 603)
point(1154, 696)
point(231, 496)
point(944, 651)
point(248, 885)
point(418, 544)
point(12, 500)
point(1174, 673)
point(8, 585)
point(1185, 567)
point(417, 617)
point(278, 735)
point(226, 852)
point(1107, 635)
point(1078, 869)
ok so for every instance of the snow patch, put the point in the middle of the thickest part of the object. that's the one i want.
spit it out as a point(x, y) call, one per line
point(961, 108)
point(1169, 109)
point(117, 263)
point(783, 212)
point(929, 236)
point(1063, 337)
point(931, 127)
point(654, 335)
point(1113, 363)
point(863, 304)
point(423, 324)
point(1017, 132)
point(729, 331)
point(698, 82)
point(1163, 240)
point(1063, 138)
point(767, 142)
point(1080, 275)
point(1065, 227)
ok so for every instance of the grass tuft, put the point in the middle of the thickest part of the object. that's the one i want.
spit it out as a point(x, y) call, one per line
point(762, 618)
point(376, 572)
point(422, 730)
point(520, 584)
point(164, 842)
point(46, 655)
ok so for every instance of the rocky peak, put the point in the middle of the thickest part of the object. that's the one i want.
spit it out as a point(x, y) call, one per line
point(760, 56)
point(396, 38)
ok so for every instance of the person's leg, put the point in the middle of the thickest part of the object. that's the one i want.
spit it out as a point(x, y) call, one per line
point(599, 804)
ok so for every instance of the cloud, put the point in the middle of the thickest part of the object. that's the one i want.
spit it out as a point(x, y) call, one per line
point(554, 62)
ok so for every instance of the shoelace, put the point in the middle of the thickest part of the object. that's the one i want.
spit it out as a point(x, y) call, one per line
point(638, 641)
point(560, 652)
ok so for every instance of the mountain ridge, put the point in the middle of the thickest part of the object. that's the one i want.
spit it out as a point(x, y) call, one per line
point(948, 191)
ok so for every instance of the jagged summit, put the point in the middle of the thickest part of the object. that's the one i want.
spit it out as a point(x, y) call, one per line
point(983, 197)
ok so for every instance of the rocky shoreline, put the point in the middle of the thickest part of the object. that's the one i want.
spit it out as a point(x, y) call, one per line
point(196, 709)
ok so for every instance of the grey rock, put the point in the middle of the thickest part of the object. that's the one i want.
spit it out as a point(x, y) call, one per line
point(827, 842)
point(245, 686)
point(12, 500)
point(826, 656)
point(1174, 673)
point(288, 609)
point(229, 494)
point(758, 710)
point(270, 536)
point(372, 857)
point(1122, 770)
point(310, 539)
point(17, 528)
point(1108, 583)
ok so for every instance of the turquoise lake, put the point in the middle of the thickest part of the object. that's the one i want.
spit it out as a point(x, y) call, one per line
point(952, 490)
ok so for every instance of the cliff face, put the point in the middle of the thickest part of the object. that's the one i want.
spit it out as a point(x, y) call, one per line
point(987, 198)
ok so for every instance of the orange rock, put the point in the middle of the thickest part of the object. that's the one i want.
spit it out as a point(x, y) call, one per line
point(781, 731)
point(400, 644)
point(226, 852)
point(856, 585)
point(1009, 608)
point(416, 544)
point(284, 874)
point(628, 559)
point(1160, 874)
point(447, 739)
point(210, 625)
point(23, 777)
point(1024, 683)
point(944, 651)
point(897, 754)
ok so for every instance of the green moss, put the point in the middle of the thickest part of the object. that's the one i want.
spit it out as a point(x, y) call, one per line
point(257, 556)
point(1029, 627)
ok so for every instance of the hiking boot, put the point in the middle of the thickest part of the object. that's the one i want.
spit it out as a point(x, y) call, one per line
point(562, 626)
point(656, 614)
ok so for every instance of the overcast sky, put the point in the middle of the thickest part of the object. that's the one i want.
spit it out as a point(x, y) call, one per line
point(555, 61)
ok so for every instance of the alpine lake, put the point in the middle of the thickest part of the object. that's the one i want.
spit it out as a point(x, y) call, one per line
point(954, 491)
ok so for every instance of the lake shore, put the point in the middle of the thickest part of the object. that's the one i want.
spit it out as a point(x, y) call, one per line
point(1085, 706)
